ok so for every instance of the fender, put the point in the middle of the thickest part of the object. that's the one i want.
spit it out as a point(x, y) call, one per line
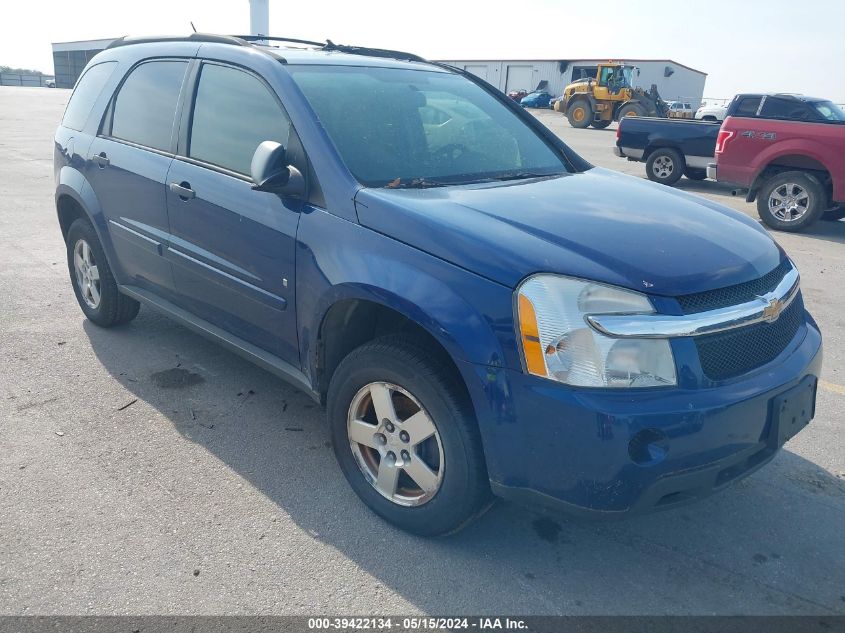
point(70, 182)
point(790, 147)
point(582, 95)
point(419, 286)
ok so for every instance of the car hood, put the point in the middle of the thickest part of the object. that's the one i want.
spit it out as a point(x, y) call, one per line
point(597, 224)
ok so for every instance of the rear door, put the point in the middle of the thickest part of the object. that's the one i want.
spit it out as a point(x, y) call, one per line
point(127, 168)
point(233, 248)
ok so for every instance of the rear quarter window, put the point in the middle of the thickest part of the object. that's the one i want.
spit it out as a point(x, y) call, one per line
point(747, 107)
point(85, 95)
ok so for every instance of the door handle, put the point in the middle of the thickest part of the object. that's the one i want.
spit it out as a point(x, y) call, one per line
point(183, 190)
point(101, 159)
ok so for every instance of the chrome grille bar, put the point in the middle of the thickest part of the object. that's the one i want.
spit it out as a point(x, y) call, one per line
point(765, 308)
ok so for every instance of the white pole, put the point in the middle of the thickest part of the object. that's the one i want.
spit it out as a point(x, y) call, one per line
point(259, 17)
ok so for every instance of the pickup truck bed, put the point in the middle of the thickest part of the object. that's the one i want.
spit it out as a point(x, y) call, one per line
point(669, 147)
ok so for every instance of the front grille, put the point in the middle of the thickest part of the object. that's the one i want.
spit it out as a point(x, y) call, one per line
point(734, 295)
point(734, 352)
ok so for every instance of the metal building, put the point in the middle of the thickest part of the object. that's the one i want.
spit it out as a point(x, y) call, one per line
point(69, 58)
point(675, 82)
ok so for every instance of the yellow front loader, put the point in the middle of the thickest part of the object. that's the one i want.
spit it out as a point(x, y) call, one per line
point(609, 97)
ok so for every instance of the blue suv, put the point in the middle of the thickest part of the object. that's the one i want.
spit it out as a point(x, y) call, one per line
point(479, 309)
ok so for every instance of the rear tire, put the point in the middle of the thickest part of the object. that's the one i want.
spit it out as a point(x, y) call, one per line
point(695, 173)
point(791, 201)
point(600, 124)
point(93, 282)
point(665, 165)
point(385, 467)
point(580, 114)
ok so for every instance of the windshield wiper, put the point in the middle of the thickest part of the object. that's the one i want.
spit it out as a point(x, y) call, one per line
point(522, 175)
point(415, 183)
point(424, 183)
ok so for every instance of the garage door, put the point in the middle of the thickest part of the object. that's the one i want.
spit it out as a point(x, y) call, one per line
point(520, 78)
point(479, 70)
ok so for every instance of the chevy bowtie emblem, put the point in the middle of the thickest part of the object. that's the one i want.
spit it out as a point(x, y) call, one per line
point(774, 307)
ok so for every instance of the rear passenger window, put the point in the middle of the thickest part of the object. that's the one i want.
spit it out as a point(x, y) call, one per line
point(146, 104)
point(790, 110)
point(233, 113)
point(88, 88)
point(748, 107)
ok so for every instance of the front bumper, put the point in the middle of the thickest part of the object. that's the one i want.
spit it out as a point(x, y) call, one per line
point(572, 449)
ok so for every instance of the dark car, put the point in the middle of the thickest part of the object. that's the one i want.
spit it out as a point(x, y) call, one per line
point(670, 148)
point(479, 309)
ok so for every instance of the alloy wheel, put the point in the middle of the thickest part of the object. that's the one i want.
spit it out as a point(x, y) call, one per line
point(789, 202)
point(395, 444)
point(87, 274)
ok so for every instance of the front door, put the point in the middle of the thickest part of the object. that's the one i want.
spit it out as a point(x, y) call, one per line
point(233, 248)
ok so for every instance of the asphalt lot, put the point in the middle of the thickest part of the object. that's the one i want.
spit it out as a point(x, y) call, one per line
point(144, 470)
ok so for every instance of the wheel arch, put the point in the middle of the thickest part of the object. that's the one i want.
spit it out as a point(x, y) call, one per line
point(76, 199)
point(791, 161)
point(622, 104)
point(582, 96)
point(349, 323)
point(354, 314)
point(656, 144)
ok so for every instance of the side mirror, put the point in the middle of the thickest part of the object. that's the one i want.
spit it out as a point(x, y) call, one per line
point(271, 172)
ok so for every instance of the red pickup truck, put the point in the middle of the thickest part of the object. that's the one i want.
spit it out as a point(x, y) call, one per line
point(788, 151)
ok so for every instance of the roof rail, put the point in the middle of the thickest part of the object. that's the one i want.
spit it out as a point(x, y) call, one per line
point(193, 37)
point(249, 40)
point(328, 45)
point(372, 52)
point(272, 38)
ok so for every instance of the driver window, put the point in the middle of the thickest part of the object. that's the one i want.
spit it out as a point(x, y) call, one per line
point(233, 113)
point(605, 76)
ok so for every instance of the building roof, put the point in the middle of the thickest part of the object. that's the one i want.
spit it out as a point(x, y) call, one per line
point(82, 45)
point(575, 60)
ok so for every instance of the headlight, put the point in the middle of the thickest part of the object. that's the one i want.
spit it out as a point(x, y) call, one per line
point(557, 343)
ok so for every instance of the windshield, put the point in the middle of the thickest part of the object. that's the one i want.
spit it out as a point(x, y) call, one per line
point(628, 74)
point(396, 127)
point(830, 111)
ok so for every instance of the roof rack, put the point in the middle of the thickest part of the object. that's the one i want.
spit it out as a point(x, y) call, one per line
point(328, 45)
point(249, 40)
point(372, 52)
point(271, 38)
point(193, 37)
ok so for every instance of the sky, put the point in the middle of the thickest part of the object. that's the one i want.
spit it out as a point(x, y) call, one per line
point(743, 45)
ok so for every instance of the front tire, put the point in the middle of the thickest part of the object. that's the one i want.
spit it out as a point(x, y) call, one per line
point(580, 114)
point(93, 281)
point(405, 437)
point(791, 201)
point(665, 165)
